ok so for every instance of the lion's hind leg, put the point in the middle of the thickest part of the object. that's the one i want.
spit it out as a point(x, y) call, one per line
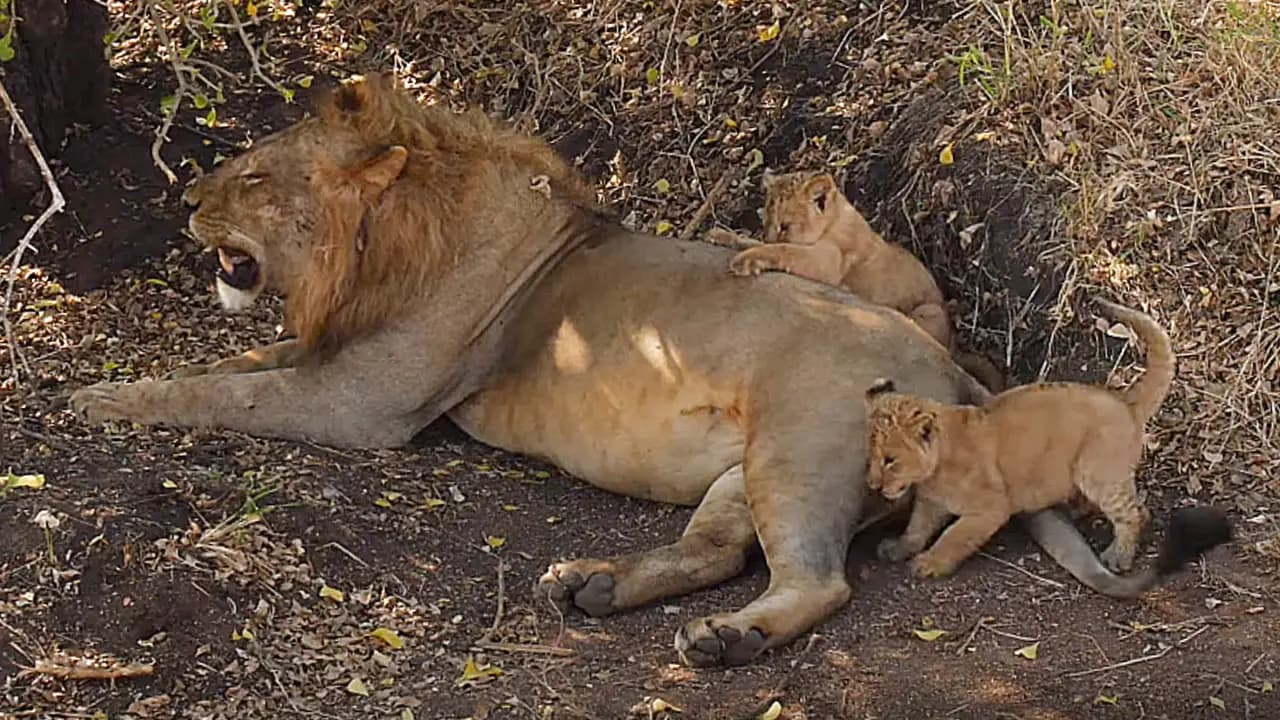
point(1110, 486)
point(712, 549)
point(805, 492)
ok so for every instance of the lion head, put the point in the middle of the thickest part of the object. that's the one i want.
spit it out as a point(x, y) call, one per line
point(353, 213)
point(799, 206)
point(903, 438)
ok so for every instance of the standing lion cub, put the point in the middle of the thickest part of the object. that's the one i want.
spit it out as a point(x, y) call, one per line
point(812, 230)
point(1028, 449)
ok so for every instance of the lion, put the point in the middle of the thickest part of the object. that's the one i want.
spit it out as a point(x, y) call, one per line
point(812, 230)
point(479, 279)
point(1028, 449)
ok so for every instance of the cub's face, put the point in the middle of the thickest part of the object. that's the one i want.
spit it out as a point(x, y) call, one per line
point(257, 212)
point(904, 444)
point(798, 207)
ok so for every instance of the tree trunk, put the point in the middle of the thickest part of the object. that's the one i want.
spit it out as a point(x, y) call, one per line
point(58, 76)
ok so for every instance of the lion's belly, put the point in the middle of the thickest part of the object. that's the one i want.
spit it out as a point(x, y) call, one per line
point(620, 431)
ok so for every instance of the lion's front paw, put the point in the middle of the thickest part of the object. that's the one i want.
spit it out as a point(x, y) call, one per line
point(893, 550)
point(932, 565)
point(748, 263)
point(99, 402)
point(1118, 558)
point(586, 585)
point(715, 641)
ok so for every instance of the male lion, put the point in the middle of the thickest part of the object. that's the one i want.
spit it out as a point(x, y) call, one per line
point(436, 263)
point(1027, 449)
point(812, 230)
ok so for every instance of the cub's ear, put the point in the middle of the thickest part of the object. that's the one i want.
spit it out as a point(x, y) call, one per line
point(820, 190)
point(927, 428)
point(359, 95)
point(768, 180)
point(382, 170)
point(880, 386)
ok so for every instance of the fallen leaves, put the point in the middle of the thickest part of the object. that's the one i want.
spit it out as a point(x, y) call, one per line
point(473, 674)
point(1030, 652)
point(947, 155)
point(12, 482)
point(388, 637)
point(331, 594)
point(357, 687)
point(929, 635)
point(769, 32)
point(772, 713)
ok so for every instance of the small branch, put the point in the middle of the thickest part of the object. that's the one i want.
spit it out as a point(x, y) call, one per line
point(66, 669)
point(253, 52)
point(1024, 571)
point(705, 209)
point(162, 132)
point(1126, 663)
point(56, 203)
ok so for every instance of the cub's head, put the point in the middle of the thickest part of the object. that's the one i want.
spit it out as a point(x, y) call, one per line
point(798, 206)
point(903, 440)
point(259, 211)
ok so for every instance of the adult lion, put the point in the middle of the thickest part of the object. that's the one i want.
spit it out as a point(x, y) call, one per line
point(435, 263)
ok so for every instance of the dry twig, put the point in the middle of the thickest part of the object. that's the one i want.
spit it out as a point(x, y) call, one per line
point(77, 669)
point(56, 203)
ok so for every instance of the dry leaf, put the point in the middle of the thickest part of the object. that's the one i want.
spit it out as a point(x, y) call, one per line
point(331, 593)
point(663, 228)
point(658, 705)
point(1030, 652)
point(663, 186)
point(947, 156)
point(389, 637)
point(772, 713)
point(495, 541)
point(472, 674)
point(357, 687)
point(769, 33)
point(1217, 702)
point(929, 635)
point(1107, 699)
point(432, 503)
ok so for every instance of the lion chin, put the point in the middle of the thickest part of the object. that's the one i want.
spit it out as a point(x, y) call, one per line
point(234, 299)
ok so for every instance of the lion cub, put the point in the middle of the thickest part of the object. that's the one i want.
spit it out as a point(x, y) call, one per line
point(812, 230)
point(1026, 450)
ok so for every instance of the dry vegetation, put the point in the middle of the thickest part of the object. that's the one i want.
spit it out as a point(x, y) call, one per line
point(1032, 152)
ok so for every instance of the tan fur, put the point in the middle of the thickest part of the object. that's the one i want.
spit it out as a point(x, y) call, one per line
point(488, 286)
point(1030, 448)
point(812, 230)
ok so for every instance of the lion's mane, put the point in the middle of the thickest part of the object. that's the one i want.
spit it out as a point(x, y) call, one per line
point(374, 253)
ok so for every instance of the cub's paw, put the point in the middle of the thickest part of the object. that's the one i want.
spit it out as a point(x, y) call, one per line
point(1118, 559)
point(714, 641)
point(893, 550)
point(726, 238)
point(583, 584)
point(99, 403)
point(931, 565)
point(747, 263)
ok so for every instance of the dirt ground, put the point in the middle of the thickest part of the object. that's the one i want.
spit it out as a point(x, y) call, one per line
point(260, 578)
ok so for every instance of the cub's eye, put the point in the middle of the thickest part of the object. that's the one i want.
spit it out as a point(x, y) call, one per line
point(783, 228)
point(887, 461)
point(253, 178)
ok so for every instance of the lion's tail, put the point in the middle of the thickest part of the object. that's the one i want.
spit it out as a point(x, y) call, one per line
point(1145, 395)
point(982, 369)
point(1191, 531)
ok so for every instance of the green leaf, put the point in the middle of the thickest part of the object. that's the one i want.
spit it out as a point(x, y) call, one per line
point(473, 674)
point(771, 32)
point(652, 76)
point(357, 687)
point(1030, 652)
point(200, 101)
point(168, 105)
point(1105, 699)
point(755, 159)
point(331, 594)
point(288, 95)
point(663, 228)
point(305, 81)
point(6, 49)
point(663, 186)
point(693, 40)
point(11, 481)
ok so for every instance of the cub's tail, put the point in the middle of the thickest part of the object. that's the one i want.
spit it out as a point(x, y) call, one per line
point(1191, 532)
point(1145, 395)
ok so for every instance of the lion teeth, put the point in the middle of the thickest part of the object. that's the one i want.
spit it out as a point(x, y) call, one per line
point(226, 262)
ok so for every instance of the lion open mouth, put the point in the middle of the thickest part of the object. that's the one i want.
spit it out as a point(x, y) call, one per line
point(237, 269)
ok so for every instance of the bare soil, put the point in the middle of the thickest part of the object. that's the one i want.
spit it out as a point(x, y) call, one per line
point(215, 556)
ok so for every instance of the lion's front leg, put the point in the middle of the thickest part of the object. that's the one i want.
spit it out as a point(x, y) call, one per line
point(712, 549)
point(344, 411)
point(275, 356)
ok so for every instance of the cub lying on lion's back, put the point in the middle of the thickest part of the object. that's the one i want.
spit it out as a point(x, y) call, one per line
point(1030, 448)
point(812, 230)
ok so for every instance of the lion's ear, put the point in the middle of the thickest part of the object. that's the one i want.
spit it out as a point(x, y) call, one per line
point(880, 386)
point(820, 191)
point(382, 170)
point(358, 94)
point(928, 425)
